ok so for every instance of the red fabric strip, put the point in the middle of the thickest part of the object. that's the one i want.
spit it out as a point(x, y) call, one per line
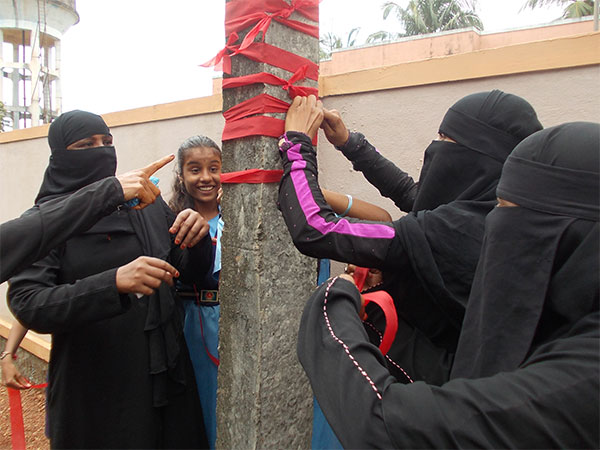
point(242, 14)
point(253, 126)
point(16, 419)
point(360, 276)
point(252, 176)
point(386, 303)
point(262, 52)
point(262, 103)
point(269, 78)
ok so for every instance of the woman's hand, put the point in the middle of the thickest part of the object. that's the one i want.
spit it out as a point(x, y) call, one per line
point(334, 127)
point(144, 274)
point(137, 184)
point(305, 115)
point(190, 227)
point(350, 277)
point(11, 377)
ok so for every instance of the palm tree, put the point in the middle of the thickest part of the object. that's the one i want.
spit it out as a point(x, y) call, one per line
point(429, 16)
point(331, 42)
point(573, 8)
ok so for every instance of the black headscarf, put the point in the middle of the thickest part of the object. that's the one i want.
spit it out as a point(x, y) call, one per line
point(539, 269)
point(70, 170)
point(443, 242)
point(486, 127)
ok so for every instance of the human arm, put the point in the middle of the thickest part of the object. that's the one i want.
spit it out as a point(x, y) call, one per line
point(11, 376)
point(391, 181)
point(29, 238)
point(315, 229)
point(553, 395)
point(359, 209)
point(41, 302)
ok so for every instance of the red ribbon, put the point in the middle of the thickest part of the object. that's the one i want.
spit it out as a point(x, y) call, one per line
point(241, 14)
point(252, 176)
point(262, 52)
point(269, 78)
point(253, 126)
point(262, 103)
point(16, 416)
point(386, 303)
point(222, 61)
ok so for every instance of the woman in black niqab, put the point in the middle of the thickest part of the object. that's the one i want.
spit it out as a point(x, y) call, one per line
point(527, 368)
point(429, 262)
point(119, 372)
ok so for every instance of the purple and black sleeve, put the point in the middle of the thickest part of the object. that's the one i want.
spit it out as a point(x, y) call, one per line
point(314, 227)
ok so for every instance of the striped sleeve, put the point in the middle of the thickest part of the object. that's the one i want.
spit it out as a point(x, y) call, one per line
point(315, 229)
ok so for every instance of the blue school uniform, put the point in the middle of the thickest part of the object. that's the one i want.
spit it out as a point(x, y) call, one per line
point(201, 330)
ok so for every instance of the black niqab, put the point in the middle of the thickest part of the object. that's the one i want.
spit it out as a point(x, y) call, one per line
point(486, 127)
point(70, 170)
point(538, 272)
point(443, 235)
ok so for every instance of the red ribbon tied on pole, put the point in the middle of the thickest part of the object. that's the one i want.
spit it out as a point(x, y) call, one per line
point(241, 14)
point(252, 176)
point(386, 303)
point(269, 78)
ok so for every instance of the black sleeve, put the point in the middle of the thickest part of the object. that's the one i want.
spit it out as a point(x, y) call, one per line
point(390, 180)
point(315, 229)
point(30, 237)
point(551, 401)
point(42, 305)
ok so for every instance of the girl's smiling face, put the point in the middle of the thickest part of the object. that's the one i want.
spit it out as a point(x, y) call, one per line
point(201, 175)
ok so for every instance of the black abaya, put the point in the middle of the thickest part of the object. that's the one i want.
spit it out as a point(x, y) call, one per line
point(119, 373)
point(527, 369)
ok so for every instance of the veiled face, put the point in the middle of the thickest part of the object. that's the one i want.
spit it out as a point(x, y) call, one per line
point(96, 140)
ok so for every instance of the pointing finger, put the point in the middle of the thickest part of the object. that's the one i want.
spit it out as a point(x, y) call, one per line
point(149, 170)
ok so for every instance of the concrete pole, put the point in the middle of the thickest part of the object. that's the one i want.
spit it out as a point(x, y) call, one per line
point(264, 399)
point(595, 15)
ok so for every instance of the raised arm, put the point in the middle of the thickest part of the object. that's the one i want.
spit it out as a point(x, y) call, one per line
point(29, 238)
point(314, 227)
point(391, 181)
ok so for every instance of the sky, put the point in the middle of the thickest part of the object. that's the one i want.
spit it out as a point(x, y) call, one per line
point(127, 54)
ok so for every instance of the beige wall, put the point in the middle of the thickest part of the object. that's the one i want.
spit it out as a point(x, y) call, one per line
point(398, 109)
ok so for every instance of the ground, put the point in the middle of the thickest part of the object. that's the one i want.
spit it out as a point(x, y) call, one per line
point(33, 419)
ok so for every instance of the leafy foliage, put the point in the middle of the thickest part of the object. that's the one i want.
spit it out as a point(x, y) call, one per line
point(429, 16)
point(573, 8)
point(331, 42)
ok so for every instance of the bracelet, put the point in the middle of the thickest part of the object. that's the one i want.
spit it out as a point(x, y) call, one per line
point(348, 207)
point(5, 354)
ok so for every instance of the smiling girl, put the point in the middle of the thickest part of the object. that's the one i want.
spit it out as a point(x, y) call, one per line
point(197, 185)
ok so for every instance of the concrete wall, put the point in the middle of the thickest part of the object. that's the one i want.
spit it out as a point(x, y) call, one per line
point(398, 109)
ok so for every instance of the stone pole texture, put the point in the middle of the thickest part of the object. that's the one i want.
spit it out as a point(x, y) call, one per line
point(264, 400)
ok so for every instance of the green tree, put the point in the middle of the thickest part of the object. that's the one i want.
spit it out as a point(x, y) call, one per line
point(331, 42)
point(429, 16)
point(573, 8)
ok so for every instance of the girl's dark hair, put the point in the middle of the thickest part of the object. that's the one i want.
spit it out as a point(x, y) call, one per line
point(180, 199)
